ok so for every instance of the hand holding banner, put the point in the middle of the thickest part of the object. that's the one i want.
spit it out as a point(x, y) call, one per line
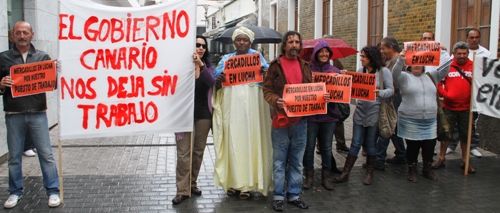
point(338, 85)
point(33, 78)
point(242, 69)
point(363, 86)
point(304, 99)
point(424, 53)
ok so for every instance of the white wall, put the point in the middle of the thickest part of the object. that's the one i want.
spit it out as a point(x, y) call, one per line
point(238, 9)
point(4, 45)
point(42, 14)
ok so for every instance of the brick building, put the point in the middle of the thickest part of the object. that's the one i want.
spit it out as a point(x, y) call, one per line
point(366, 22)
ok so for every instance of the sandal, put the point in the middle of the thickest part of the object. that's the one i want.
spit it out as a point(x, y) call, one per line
point(438, 164)
point(232, 192)
point(244, 195)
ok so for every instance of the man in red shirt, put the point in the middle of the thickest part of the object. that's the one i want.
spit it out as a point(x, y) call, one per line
point(289, 135)
point(455, 88)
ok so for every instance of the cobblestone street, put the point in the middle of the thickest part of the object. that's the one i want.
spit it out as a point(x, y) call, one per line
point(137, 174)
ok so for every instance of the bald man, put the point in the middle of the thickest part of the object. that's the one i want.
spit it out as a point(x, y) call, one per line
point(26, 117)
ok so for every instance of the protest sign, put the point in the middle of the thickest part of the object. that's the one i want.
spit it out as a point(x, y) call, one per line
point(33, 78)
point(422, 53)
point(304, 99)
point(242, 69)
point(363, 86)
point(338, 85)
point(126, 70)
point(486, 88)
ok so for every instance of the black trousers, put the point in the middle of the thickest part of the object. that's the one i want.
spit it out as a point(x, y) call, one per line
point(413, 148)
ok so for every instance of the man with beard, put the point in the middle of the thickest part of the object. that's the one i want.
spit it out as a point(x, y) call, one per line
point(26, 117)
point(475, 49)
point(289, 135)
point(456, 90)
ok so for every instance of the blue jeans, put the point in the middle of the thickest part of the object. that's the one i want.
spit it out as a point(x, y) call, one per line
point(323, 131)
point(288, 152)
point(383, 144)
point(363, 136)
point(18, 127)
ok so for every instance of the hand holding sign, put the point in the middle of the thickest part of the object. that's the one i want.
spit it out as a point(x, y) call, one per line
point(6, 82)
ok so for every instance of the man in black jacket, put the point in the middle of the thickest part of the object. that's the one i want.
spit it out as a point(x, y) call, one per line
point(26, 116)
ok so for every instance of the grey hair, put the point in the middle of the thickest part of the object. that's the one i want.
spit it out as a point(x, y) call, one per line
point(460, 45)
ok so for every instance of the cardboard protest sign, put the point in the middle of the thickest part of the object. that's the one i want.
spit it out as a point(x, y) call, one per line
point(338, 85)
point(423, 53)
point(242, 69)
point(126, 70)
point(304, 99)
point(363, 86)
point(33, 78)
point(486, 86)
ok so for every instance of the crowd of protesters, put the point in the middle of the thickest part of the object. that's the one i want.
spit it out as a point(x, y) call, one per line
point(257, 152)
point(258, 147)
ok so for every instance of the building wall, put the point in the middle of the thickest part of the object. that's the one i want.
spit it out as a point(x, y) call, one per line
point(282, 21)
point(345, 27)
point(306, 20)
point(4, 45)
point(409, 18)
point(39, 13)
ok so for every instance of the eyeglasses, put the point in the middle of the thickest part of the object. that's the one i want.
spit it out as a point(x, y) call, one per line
point(201, 45)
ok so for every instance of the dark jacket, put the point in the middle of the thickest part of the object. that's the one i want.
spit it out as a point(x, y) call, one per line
point(32, 103)
point(275, 81)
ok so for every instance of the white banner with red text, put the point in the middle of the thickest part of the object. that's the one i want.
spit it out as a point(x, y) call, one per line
point(125, 71)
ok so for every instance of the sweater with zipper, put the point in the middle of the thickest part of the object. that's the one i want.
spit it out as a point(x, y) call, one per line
point(455, 89)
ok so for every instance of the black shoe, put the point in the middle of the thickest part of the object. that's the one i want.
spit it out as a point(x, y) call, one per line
point(278, 205)
point(196, 191)
point(299, 203)
point(342, 148)
point(179, 198)
point(396, 160)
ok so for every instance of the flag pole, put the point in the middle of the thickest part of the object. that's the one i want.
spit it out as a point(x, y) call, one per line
point(469, 130)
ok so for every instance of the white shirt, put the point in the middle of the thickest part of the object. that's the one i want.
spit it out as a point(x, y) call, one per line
point(25, 56)
point(442, 59)
point(480, 52)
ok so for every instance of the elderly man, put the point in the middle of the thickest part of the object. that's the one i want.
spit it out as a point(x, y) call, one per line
point(456, 90)
point(26, 116)
point(241, 128)
point(473, 39)
point(289, 137)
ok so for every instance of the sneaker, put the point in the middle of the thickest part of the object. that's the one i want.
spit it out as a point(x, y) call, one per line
point(12, 201)
point(299, 203)
point(29, 153)
point(278, 205)
point(476, 153)
point(449, 150)
point(54, 200)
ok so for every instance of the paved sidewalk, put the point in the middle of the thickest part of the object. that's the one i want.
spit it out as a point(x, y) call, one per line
point(137, 174)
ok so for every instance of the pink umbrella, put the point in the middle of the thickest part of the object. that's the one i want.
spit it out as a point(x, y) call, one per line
point(339, 47)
